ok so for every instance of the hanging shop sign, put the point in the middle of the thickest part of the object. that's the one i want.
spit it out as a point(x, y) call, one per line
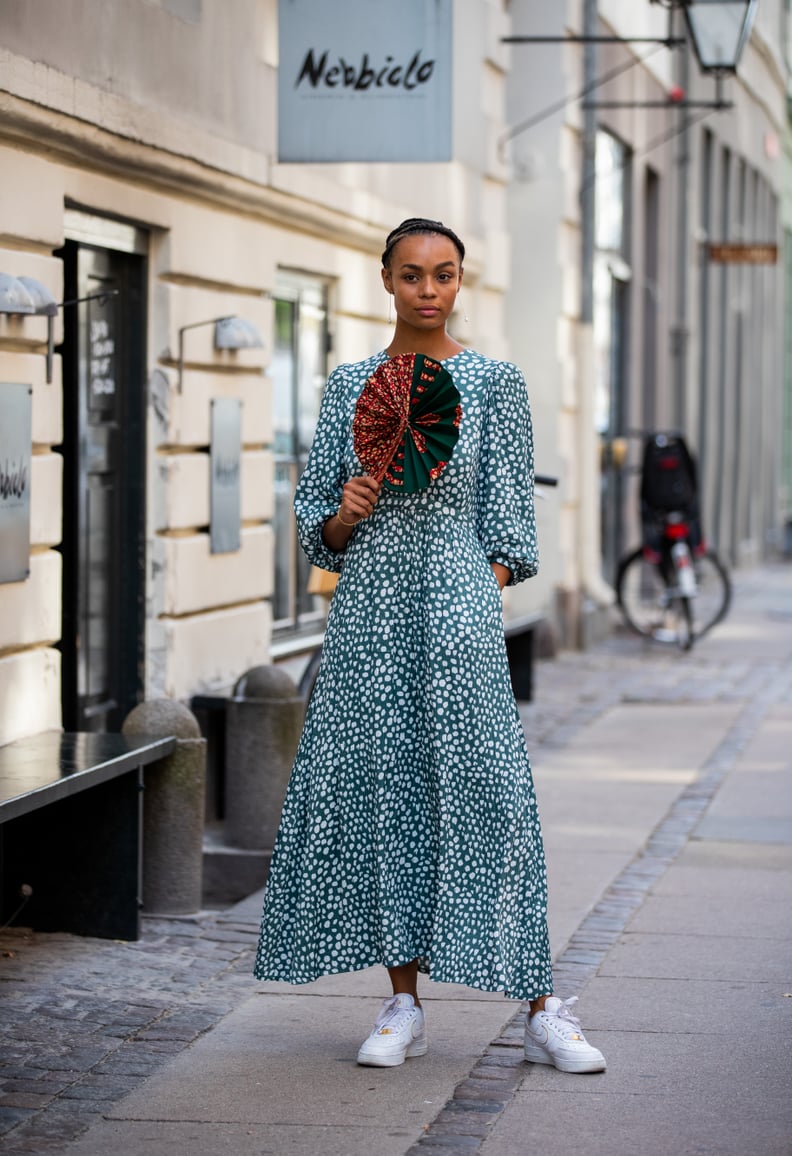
point(225, 461)
point(743, 254)
point(16, 446)
point(366, 80)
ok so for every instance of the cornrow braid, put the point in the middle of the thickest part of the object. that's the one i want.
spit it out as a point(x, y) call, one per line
point(416, 225)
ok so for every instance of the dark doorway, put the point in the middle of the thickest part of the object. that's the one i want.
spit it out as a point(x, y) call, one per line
point(104, 455)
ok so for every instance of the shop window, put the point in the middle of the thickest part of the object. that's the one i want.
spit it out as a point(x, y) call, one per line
point(299, 372)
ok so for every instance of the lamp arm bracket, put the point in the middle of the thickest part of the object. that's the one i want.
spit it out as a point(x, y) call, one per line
point(669, 41)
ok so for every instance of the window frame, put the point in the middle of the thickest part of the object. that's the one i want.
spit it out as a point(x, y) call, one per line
point(305, 615)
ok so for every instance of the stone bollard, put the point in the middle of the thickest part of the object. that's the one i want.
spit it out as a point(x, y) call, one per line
point(263, 724)
point(173, 809)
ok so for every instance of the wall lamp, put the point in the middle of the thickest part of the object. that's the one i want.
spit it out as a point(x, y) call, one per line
point(719, 30)
point(26, 295)
point(230, 333)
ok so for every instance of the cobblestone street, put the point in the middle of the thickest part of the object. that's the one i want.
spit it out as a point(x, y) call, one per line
point(84, 1020)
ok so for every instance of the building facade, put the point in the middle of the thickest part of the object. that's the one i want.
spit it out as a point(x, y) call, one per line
point(140, 181)
point(141, 188)
point(611, 146)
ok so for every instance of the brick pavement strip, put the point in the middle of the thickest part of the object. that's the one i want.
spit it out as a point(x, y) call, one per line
point(83, 1021)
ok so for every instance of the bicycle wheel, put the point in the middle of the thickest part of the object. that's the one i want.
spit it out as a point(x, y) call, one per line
point(650, 605)
point(713, 593)
point(684, 621)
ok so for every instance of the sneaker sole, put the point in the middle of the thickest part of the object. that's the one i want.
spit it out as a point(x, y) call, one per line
point(540, 1056)
point(373, 1060)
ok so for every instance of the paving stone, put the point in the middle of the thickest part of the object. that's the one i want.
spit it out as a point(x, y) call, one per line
point(10, 1099)
point(10, 1117)
point(499, 1057)
point(445, 1144)
point(44, 1083)
point(58, 1079)
point(484, 1090)
point(465, 1106)
point(495, 1074)
point(73, 1060)
point(473, 1124)
point(124, 1066)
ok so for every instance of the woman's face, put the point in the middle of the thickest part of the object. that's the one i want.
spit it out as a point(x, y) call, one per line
point(424, 277)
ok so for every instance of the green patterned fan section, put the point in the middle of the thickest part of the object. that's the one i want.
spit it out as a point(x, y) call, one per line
point(407, 422)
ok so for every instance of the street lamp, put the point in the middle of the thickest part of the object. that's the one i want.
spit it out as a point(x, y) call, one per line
point(719, 30)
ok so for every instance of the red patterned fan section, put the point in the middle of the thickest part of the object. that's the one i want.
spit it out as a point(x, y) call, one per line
point(407, 421)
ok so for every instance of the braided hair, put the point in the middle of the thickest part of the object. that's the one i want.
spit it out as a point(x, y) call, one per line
point(417, 225)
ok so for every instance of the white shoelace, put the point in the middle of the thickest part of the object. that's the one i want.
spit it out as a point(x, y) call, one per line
point(392, 1015)
point(569, 1024)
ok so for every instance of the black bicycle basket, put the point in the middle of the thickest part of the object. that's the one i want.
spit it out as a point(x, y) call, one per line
point(668, 474)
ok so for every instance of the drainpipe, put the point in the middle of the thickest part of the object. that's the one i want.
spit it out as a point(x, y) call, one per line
point(680, 332)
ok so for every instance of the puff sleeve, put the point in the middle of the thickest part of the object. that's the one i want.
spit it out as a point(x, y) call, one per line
point(319, 491)
point(505, 519)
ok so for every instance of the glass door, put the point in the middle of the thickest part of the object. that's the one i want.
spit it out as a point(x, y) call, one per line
point(104, 496)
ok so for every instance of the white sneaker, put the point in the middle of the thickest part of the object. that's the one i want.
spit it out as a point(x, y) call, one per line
point(399, 1032)
point(554, 1036)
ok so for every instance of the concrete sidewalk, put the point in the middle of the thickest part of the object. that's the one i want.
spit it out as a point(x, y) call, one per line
point(665, 787)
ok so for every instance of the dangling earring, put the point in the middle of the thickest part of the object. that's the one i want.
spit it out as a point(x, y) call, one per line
point(464, 315)
point(390, 310)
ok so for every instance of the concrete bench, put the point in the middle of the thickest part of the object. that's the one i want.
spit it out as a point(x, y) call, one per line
point(521, 650)
point(70, 831)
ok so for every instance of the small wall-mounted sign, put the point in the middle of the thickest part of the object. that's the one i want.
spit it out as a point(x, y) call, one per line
point(225, 463)
point(16, 446)
point(750, 254)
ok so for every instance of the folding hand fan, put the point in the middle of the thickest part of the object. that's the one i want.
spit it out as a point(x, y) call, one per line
point(407, 422)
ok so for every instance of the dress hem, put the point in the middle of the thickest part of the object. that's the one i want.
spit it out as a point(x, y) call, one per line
point(523, 995)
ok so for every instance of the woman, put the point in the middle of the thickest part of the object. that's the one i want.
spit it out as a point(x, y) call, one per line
point(410, 835)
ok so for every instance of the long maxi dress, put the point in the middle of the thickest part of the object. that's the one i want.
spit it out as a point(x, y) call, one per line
point(410, 828)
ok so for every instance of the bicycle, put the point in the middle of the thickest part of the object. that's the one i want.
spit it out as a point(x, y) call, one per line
point(311, 672)
point(673, 587)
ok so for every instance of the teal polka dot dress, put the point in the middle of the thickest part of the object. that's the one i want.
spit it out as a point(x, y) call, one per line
point(410, 827)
